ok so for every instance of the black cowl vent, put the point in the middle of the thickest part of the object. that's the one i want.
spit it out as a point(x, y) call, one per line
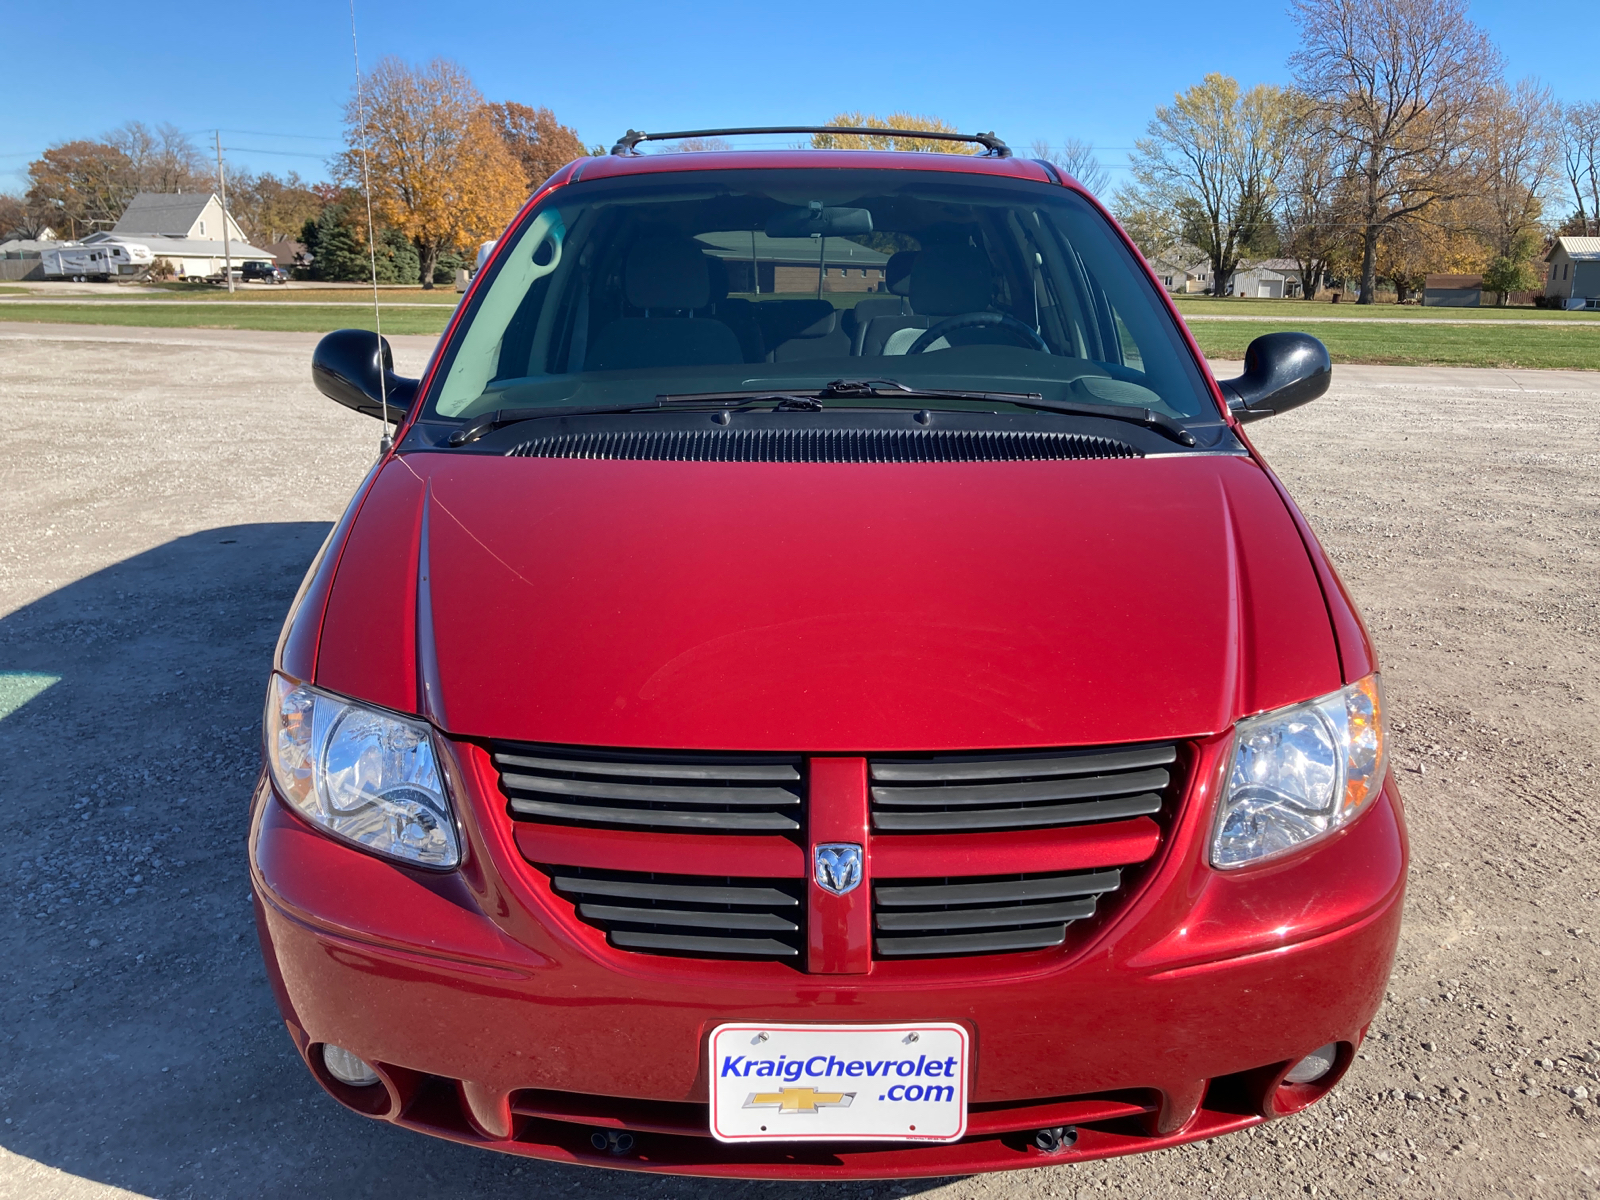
point(824, 445)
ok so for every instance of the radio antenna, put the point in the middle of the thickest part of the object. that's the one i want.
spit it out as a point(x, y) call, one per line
point(386, 443)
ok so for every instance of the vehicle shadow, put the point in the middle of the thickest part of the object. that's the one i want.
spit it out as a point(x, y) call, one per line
point(142, 1048)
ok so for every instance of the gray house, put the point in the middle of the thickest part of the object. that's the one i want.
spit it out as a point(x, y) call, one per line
point(1184, 270)
point(1574, 277)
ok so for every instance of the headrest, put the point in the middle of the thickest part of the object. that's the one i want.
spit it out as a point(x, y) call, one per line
point(951, 279)
point(667, 274)
point(897, 271)
point(718, 272)
point(878, 306)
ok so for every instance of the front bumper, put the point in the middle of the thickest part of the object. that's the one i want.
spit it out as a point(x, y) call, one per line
point(490, 1022)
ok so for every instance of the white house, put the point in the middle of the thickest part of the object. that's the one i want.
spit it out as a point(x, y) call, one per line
point(1182, 269)
point(185, 229)
point(1574, 277)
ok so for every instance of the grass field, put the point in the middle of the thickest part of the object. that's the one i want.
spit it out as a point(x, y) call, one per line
point(180, 315)
point(1396, 342)
point(208, 294)
point(1539, 346)
point(1321, 310)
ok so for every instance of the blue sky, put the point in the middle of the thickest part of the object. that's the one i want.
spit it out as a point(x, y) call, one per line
point(1025, 69)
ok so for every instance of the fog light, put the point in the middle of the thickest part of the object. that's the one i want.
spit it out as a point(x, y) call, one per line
point(348, 1068)
point(1313, 1066)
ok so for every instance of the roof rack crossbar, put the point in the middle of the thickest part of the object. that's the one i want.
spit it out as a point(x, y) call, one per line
point(627, 144)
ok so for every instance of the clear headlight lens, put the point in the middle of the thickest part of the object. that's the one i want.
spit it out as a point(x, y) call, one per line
point(1300, 773)
point(366, 775)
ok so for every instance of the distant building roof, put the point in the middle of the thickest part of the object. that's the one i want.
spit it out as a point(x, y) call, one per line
point(1452, 283)
point(182, 247)
point(162, 212)
point(1579, 249)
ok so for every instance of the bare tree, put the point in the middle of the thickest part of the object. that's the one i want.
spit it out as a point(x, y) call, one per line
point(1311, 223)
point(1078, 159)
point(1515, 138)
point(1396, 82)
point(1212, 158)
point(162, 159)
point(1580, 161)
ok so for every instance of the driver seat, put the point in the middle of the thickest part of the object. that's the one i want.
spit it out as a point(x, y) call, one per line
point(946, 281)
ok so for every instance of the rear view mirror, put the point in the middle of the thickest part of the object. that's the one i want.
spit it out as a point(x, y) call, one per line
point(1281, 371)
point(816, 221)
point(345, 367)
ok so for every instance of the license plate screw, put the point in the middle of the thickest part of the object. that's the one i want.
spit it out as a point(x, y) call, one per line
point(911, 1037)
point(759, 1038)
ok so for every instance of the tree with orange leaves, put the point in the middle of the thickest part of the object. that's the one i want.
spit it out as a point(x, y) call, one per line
point(878, 141)
point(440, 172)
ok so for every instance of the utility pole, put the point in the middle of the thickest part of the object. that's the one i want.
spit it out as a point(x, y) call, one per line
point(227, 242)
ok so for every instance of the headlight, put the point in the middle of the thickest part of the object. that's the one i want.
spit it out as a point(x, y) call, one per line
point(1299, 773)
point(364, 774)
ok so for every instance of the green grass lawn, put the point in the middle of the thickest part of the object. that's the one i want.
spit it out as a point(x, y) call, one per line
point(1321, 310)
point(219, 316)
point(1398, 342)
point(354, 294)
point(1540, 346)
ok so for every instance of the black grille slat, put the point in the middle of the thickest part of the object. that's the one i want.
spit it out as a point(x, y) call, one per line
point(973, 795)
point(718, 947)
point(689, 793)
point(685, 914)
point(596, 913)
point(584, 814)
point(914, 919)
point(1053, 887)
point(657, 770)
point(975, 792)
point(824, 445)
point(969, 819)
point(997, 942)
point(939, 770)
point(970, 918)
point(669, 793)
point(641, 889)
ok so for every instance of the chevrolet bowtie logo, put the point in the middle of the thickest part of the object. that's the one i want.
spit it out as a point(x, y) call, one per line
point(799, 1100)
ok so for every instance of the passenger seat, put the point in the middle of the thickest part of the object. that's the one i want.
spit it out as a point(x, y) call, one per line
point(664, 276)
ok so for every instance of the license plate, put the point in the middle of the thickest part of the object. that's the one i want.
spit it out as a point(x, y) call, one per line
point(839, 1083)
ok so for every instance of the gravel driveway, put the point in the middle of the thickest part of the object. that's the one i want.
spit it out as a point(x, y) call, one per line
point(162, 494)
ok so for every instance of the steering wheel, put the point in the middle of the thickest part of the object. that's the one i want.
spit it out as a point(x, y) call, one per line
point(973, 320)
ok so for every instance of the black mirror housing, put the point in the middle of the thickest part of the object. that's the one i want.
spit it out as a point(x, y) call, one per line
point(816, 220)
point(346, 366)
point(1281, 371)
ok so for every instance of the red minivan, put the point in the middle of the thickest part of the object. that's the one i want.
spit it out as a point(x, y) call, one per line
point(821, 686)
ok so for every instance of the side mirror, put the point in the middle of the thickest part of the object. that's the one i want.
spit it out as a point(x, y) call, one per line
point(1281, 371)
point(345, 367)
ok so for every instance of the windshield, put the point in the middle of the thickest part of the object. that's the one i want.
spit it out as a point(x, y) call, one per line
point(620, 290)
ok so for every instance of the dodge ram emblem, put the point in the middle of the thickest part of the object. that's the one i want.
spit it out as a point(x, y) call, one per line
point(837, 866)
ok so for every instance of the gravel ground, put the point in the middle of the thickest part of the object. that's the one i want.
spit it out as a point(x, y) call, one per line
point(163, 491)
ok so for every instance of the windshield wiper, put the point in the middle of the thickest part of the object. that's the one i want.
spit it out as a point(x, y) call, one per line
point(1148, 417)
point(500, 417)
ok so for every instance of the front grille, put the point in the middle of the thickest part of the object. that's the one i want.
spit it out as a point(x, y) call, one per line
point(824, 445)
point(682, 792)
point(971, 793)
point(934, 918)
point(717, 917)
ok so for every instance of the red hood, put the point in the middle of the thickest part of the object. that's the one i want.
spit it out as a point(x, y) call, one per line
point(822, 607)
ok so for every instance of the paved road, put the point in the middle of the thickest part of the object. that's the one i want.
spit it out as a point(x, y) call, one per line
point(162, 493)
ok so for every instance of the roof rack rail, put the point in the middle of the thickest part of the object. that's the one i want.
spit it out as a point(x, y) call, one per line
point(627, 144)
